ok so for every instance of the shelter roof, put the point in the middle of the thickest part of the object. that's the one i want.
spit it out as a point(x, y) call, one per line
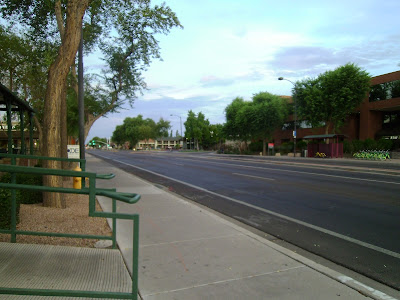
point(19, 104)
point(324, 136)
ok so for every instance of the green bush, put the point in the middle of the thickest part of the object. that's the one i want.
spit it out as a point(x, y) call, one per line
point(385, 144)
point(357, 145)
point(285, 148)
point(347, 147)
point(27, 196)
point(229, 149)
point(301, 145)
point(30, 196)
point(256, 146)
point(5, 208)
point(247, 152)
point(370, 144)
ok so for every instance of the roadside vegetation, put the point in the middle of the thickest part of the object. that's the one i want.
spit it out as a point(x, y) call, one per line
point(322, 102)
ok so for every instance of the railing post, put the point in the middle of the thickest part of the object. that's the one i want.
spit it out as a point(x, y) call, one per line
point(13, 210)
point(135, 257)
point(31, 133)
point(82, 165)
point(114, 224)
point(22, 129)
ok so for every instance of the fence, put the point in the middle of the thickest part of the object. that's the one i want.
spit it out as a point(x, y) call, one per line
point(91, 191)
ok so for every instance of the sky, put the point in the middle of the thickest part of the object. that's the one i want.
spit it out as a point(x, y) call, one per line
point(236, 48)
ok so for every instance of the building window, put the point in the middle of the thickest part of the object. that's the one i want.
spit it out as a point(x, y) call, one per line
point(385, 91)
point(300, 125)
point(391, 120)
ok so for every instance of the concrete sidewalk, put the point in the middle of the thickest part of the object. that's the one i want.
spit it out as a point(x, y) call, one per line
point(187, 252)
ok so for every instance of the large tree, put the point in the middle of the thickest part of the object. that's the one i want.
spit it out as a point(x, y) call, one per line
point(233, 130)
point(197, 128)
point(135, 129)
point(332, 96)
point(23, 68)
point(128, 49)
point(263, 115)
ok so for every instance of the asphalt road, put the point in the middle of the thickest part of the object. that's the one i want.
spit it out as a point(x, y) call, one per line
point(343, 210)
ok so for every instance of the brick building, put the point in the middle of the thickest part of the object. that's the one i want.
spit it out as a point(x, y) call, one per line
point(377, 117)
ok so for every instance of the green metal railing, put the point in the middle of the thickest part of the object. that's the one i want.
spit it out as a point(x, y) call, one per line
point(91, 191)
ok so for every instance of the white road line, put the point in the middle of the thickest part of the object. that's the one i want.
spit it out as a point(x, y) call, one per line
point(258, 177)
point(309, 173)
point(332, 233)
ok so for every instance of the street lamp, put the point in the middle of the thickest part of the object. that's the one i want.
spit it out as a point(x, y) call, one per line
point(180, 121)
point(295, 116)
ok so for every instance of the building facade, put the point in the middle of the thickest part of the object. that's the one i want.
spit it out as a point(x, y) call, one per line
point(160, 143)
point(377, 117)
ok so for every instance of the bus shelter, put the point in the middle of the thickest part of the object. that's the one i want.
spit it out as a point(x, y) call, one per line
point(10, 103)
point(329, 144)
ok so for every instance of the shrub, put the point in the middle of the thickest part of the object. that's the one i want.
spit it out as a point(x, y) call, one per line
point(247, 152)
point(30, 196)
point(229, 149)
point(370, 144)
point(385, 144)
point(348, 147)
point(285, 148)
point(301, 145)
point(357, 145)
point(256, 146)
point(5, 208)
point(27, 196)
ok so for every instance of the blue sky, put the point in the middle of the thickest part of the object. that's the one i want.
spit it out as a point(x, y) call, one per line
point(239, 48)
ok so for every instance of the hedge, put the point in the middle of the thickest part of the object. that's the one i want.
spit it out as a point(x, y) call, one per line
point(5, 208)
point(22, 196)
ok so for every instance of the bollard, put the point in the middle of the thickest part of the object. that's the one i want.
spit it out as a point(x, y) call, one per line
point(77, 180)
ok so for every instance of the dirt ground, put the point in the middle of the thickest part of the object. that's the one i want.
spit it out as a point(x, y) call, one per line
point(73, 219)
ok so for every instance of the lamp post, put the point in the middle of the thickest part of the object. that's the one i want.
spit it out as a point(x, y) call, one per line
point(180, 119)
point(295, 117)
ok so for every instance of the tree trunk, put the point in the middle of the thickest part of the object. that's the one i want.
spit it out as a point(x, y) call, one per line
point(56, 89)
point(264, 147)
point(39, 128)
point(89, 121)
point(327, 132)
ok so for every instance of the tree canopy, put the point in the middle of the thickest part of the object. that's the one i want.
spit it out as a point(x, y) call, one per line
point(126, 51)
point(197, 128)
point(122, 30)
point(256, 119)
point(135, 129)
point(332, 96)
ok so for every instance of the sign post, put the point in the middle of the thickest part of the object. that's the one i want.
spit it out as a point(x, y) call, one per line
point(271, 146)
point(73, 151)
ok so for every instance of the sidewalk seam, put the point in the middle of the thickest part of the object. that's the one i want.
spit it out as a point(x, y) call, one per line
point(226, 280)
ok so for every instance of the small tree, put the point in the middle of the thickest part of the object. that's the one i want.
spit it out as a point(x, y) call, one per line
point(267, 112)
point(332, 96)
point(232, 128)
point(192, 128)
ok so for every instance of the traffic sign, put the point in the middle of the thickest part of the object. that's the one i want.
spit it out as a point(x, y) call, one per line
point(73, 151)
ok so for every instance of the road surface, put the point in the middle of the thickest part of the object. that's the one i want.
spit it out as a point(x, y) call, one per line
point(345, 211)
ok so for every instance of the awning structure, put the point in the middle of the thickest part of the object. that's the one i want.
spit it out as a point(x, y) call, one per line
point(333, 149)
point(325, 136)
point(9, 102)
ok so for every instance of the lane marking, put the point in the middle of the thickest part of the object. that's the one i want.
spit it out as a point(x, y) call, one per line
point(326, 231)
point(251, 176)
point(303, 172)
